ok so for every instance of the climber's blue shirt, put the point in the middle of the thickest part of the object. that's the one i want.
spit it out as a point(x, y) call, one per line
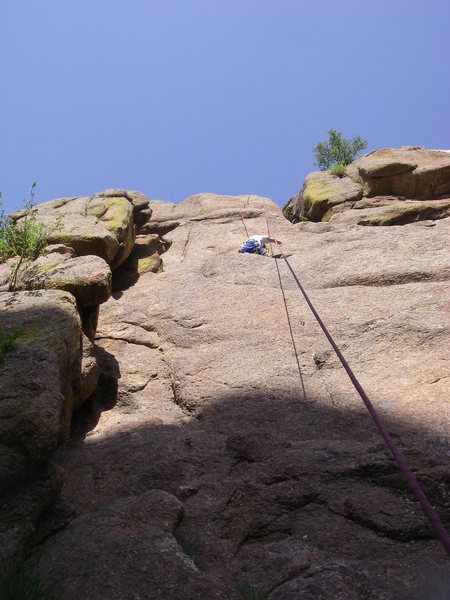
point(252, 247)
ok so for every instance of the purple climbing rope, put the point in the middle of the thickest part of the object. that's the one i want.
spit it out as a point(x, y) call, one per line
point(243, 223)
point(419, 493)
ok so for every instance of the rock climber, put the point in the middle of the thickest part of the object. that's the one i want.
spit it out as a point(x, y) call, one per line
point(256, 244)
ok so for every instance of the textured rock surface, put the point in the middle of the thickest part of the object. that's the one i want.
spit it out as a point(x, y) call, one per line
point(409, 171)
point(321, 191)
point(209, 464)
point(86, 373)
point(389, 211)
point(102, 225)
point(88, 278)
point(36, 378)
point(383, 178)
point(145, 257)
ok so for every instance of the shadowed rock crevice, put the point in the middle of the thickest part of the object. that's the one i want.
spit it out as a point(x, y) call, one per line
point(144, 258)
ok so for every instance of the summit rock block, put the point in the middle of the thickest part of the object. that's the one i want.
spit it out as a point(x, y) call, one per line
point(383, 179)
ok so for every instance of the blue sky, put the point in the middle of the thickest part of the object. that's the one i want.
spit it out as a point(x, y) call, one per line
point(176, 97)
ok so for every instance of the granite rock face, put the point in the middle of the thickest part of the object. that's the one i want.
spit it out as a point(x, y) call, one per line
point(225, 453)
point(87, 278)
point(412, 172)
point(321, 192)
point(51, 367)
point(385, 177)
point(36, 396)
point(101, 225)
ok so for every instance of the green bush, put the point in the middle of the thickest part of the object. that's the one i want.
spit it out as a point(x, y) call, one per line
point(338, 169)
point(24, 237)
point(337, 150)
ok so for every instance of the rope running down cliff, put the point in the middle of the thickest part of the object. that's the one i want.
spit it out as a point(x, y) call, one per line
point(413, 483)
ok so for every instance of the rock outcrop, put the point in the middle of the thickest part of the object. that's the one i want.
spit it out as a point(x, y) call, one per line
point(37, 375)
point(224, 453)
point(36, 401)
point(51, 367)
point(102, 225)
point(377, 188)
point(410, 172)
point(211, 464)
point(87, 278)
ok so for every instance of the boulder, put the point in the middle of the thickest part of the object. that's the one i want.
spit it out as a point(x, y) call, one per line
point(6, 271)
point(88, 278)
point(36, 378)
point(322, 191)
point(413, 172)
point(115, 213)
point(102, 225)
point(389, 211)
point(70, 225)
point(140, 203)
point(406, 173)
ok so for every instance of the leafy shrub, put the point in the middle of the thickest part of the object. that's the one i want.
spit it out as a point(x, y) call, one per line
point(24, 237)
point(338, 169)
point(337, 150)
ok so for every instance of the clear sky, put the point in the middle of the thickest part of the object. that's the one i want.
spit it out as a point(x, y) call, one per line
point(176, 97)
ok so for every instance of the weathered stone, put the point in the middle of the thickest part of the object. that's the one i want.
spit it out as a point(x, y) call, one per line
point(411, 171)
point(145, 257)
point(321, 191)
point(59, 249)
point(141, 217)
point(86, 373)
point(74, 228)
point(88, 278)
point(393, 212)
point(287, 489)
point(138, 553)
point(102, 225)
point(116, 214)
point(22, 506)
point(36, 378)
point(139, 202)
point(6, 271)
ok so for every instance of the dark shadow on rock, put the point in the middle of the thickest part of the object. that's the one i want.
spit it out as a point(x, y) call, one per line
point(296, 499)
point(89, 320)
point(145, 257)
point(104, 398)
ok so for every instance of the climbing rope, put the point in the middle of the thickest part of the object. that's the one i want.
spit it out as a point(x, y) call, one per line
point(242, 218)
point(413, 483)
point(290, 326)
point(243, 223)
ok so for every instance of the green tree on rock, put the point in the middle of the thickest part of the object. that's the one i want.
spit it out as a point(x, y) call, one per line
point(337, 152)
